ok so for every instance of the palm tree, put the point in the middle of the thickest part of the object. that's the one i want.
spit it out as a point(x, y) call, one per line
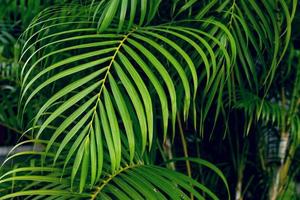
point(109, 88)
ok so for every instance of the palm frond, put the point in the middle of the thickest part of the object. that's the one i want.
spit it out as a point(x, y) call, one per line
point(123, 12)
point(131, 181)
point(106, 84)
point(259, 109)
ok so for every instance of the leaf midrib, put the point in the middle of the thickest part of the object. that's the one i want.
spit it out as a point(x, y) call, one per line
point(106, 75)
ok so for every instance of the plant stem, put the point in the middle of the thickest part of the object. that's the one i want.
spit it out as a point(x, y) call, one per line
point(282, 169)
point(11, 128)
point(185, 149)
point(15, 130)
point(238, 190)
point(184, 144)
point(167, 146)
point(275, 185)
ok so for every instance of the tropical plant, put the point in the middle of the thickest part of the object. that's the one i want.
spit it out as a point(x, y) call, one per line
point(114, 94)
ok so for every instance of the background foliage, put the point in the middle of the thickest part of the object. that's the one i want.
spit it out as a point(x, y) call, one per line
point(123, 98)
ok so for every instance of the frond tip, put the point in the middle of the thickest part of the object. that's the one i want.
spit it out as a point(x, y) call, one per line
point(125, 12)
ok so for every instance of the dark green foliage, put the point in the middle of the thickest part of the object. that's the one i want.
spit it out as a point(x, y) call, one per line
point(108, 90)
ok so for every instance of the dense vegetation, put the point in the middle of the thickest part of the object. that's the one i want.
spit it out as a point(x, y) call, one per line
point(150, 99)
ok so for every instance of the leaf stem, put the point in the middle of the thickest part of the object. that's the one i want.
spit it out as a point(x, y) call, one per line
point(185, 149)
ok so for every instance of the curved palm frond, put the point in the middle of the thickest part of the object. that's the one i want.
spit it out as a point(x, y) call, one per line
point(125, 12)
point(259, 109)
point(280, 109)
point(102, 84)
point(105, 85)
point(131, 181)
point(255, 26)
point(196, 9)
point(266, 111)
point(259, 35)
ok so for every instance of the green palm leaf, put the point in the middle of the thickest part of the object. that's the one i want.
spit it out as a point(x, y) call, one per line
point(107, 72)
point(109, 78)
point(106, 12)
point(136, 180)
